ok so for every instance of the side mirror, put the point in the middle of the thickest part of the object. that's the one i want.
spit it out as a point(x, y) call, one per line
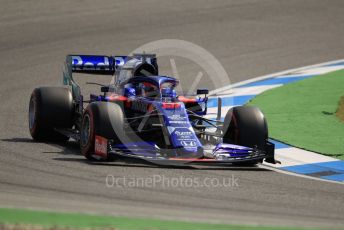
point(202, 91)
point(104, 89)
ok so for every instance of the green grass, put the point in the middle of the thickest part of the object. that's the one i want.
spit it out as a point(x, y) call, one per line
point(303, 114)
point(340, 111)
point(63, 220)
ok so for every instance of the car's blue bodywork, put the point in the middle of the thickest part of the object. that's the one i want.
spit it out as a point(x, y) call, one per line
point(180, 119)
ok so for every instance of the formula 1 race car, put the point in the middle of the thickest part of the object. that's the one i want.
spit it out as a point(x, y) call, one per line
point(140, 116)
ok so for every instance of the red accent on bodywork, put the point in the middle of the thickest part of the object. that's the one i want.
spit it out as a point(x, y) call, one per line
point(116, 97)
point(170, 105)
point(187, 100)
point(100, 146)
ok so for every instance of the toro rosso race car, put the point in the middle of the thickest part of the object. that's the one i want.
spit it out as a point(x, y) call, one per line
point(140, 116)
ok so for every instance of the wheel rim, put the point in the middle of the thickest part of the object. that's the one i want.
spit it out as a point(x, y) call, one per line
point(32, 114)
point(86, 130)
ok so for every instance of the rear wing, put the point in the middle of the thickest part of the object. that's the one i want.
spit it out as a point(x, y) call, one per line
point(98, 64)
point(94, 64)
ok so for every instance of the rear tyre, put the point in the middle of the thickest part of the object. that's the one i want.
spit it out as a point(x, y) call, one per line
point(50, 108)
point(246, 126)
point(100, 119)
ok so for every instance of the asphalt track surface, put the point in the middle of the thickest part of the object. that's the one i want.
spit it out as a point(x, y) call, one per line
point(250, 38)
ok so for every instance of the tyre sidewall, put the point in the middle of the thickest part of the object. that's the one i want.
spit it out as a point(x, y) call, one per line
point(88, 148)
point(101, 124)
point(246, 125)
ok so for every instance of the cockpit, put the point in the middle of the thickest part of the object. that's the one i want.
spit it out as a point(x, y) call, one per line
point(154, 87)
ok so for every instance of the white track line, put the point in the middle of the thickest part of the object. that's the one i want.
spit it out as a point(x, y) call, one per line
point(248, 90)
point(285, 72)
point(295, 156)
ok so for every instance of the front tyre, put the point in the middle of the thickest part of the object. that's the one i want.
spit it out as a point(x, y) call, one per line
point(102, 119)
point(246, 126)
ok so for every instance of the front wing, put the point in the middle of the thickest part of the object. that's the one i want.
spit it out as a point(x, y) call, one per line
point(148, 153)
